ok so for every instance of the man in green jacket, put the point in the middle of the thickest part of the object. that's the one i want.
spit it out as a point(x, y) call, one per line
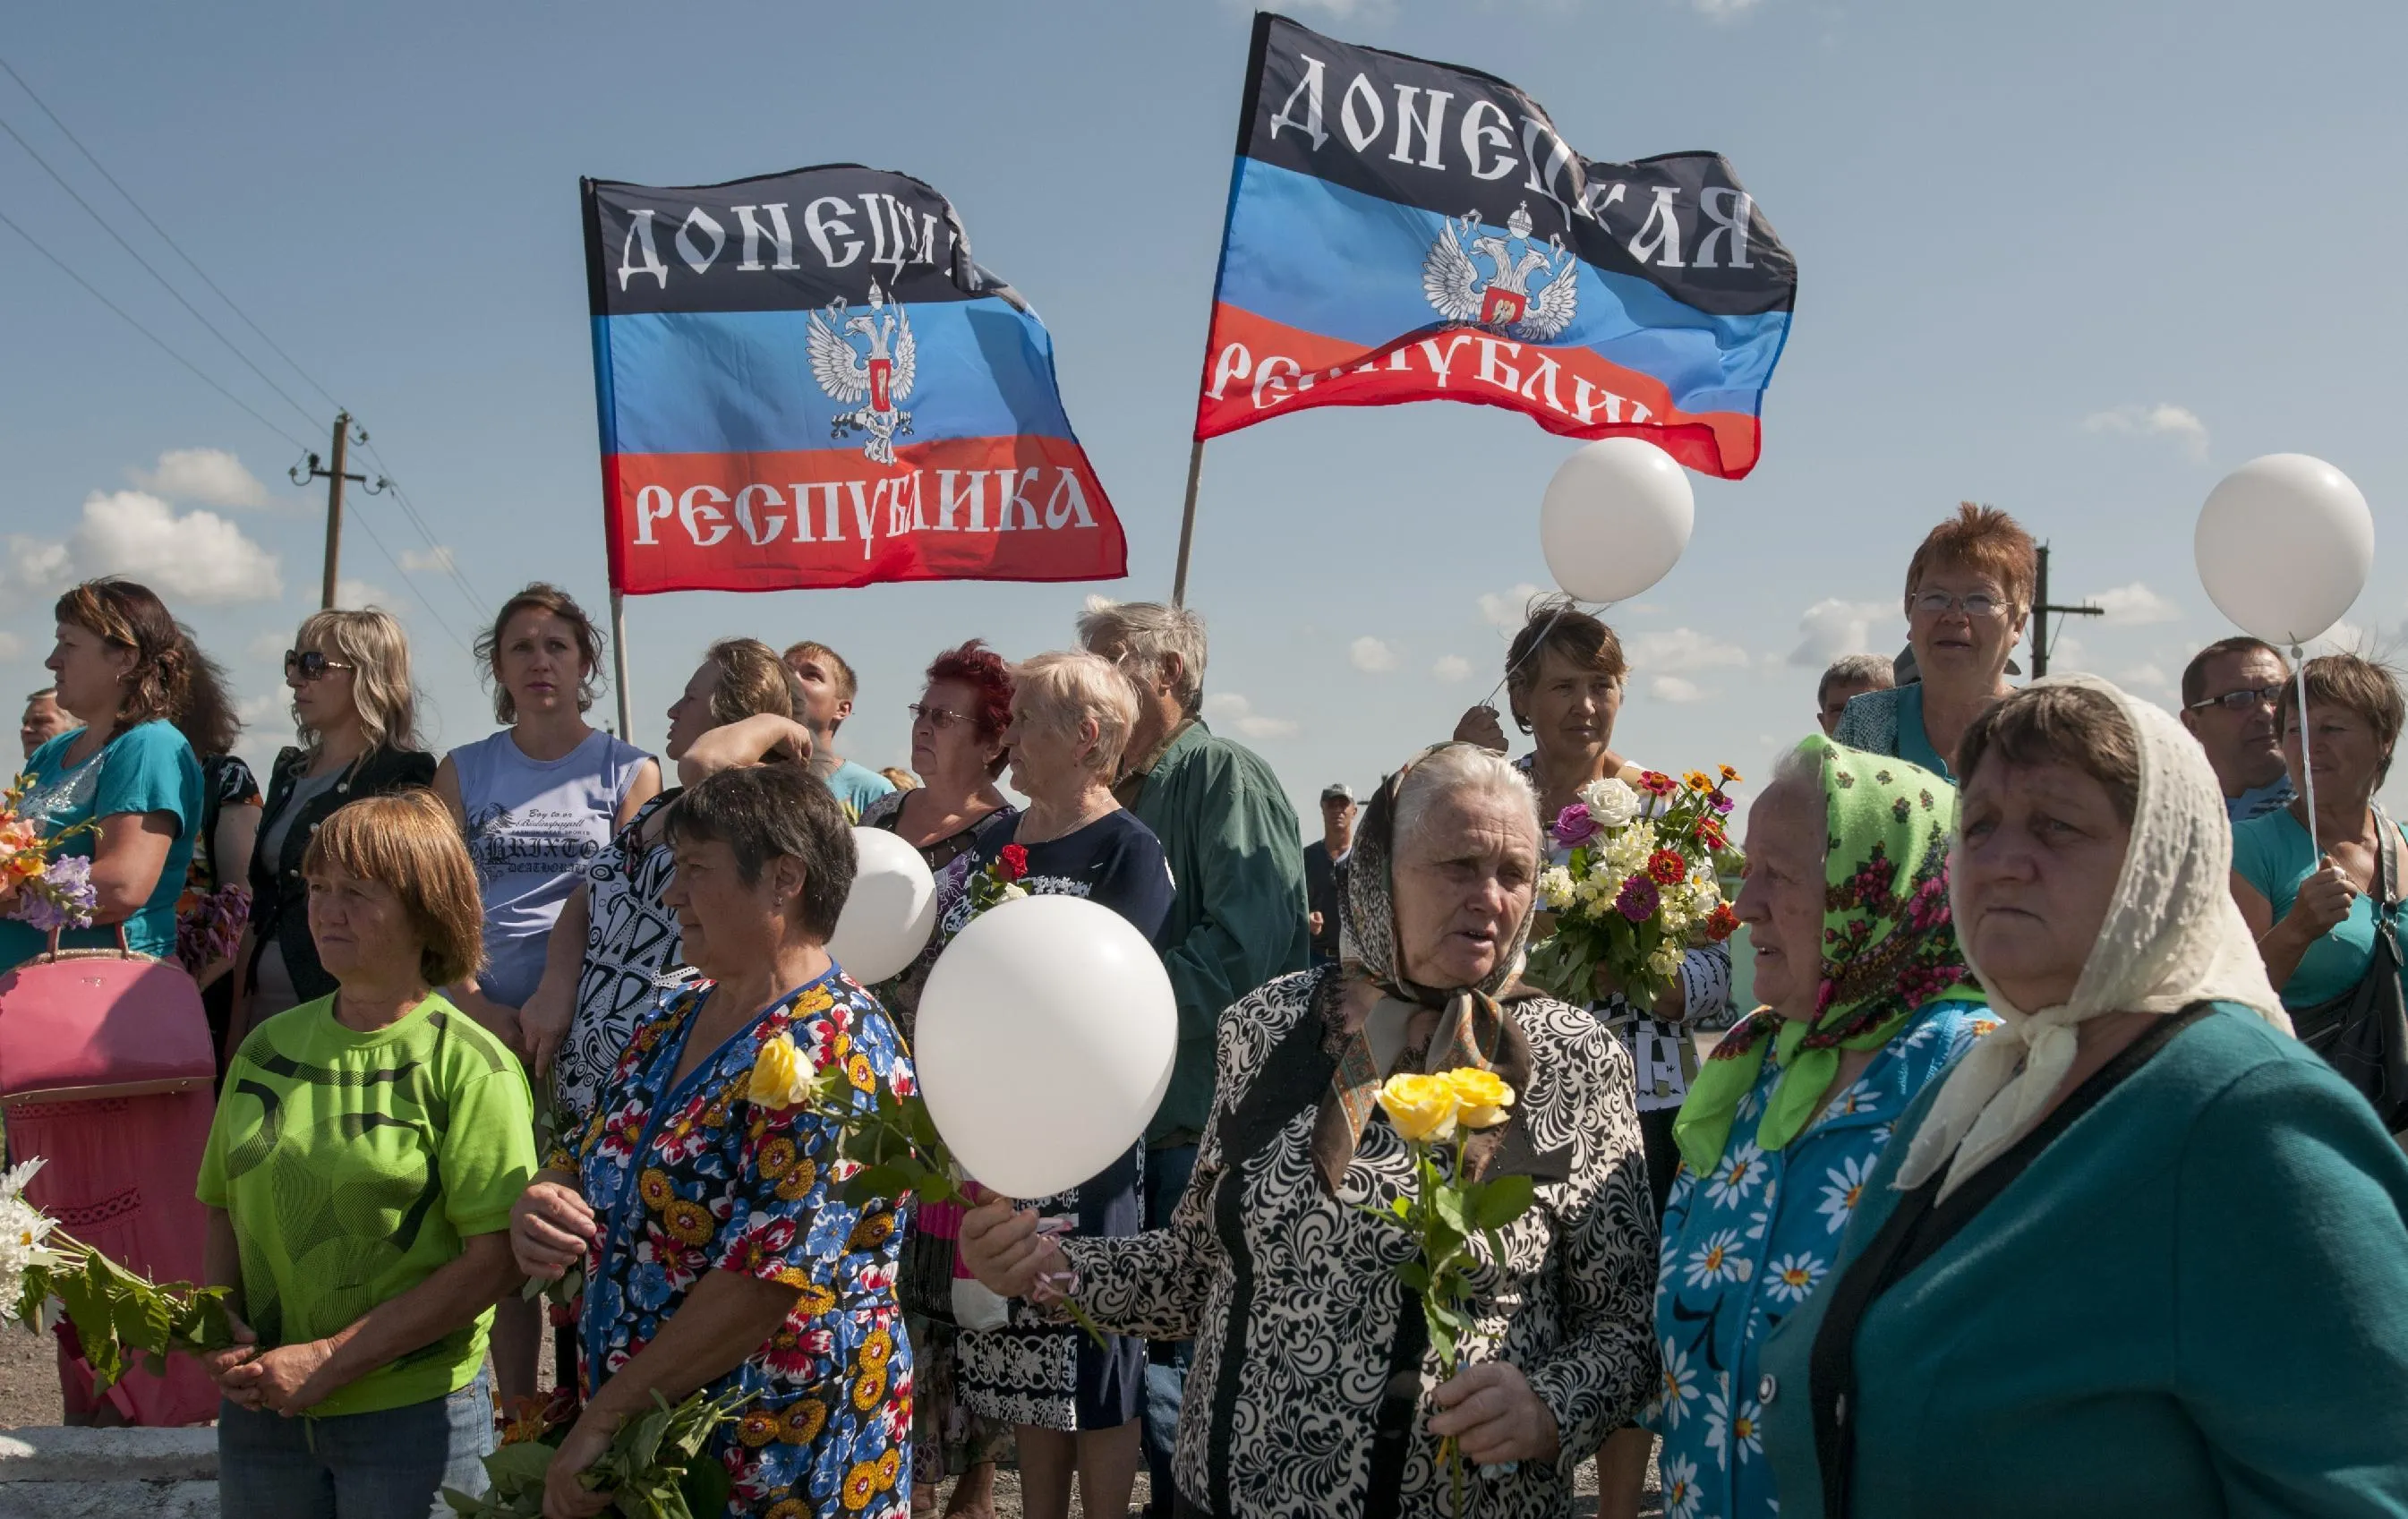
point(1236, 861)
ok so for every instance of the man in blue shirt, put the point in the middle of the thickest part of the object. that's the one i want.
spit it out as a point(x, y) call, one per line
point(829, 686)
point(2229, 692)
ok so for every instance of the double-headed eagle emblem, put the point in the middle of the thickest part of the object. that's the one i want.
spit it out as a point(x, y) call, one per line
point(1504, 301)
point(867, 360)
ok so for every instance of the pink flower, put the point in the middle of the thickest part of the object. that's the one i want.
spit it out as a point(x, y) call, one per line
point(1574, 827)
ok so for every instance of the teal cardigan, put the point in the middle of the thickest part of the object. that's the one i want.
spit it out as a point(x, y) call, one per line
point(2193, 1302)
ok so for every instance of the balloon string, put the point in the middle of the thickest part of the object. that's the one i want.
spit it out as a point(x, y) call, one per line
point(2307, 769)
point(1536, 646)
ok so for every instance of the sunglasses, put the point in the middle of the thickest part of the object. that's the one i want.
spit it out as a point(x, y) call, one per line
point(1939, 602)
point(2243, 700)
point(310, 665)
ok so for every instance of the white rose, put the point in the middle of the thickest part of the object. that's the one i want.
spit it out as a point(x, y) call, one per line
point(1012, 892)
point(1611, 801)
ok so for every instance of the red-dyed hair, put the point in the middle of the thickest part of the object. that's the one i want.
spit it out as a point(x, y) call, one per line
point(980, 668)
point(1984, 539)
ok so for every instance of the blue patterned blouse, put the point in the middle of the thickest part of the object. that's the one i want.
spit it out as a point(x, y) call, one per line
point(1744, 1246)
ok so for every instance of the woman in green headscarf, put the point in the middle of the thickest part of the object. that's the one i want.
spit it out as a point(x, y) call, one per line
point(1866, 998)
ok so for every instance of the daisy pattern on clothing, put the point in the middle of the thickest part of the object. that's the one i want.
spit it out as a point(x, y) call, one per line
point(1842, 1184)
point(1679, 1389)
point(1790, 1279)
point(1719, 1259)
point(1730, 1274)
point(1738, 1176)
point(1681, 1493)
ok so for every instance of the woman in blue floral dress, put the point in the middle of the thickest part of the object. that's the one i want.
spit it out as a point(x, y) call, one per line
point(1867, 999)
point(703, 1201)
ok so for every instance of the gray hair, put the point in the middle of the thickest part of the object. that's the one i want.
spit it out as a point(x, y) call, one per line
point(1056, 692)
point(1876, 672)
point(1147, 632)
point(1455, 768)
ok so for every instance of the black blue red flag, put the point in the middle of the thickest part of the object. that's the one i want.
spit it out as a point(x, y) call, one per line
point(1401, 230)
point(806, 380)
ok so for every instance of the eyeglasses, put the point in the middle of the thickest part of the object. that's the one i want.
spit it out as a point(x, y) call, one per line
point(1977, 606)
point(309, 664)
point(939, 718)
point(2241, 700)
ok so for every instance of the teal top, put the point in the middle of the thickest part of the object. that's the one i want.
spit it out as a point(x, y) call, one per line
point(2193, 1302)
point(147, 768)
point(856, 786)
point(2274, 854)
point(1891, 722)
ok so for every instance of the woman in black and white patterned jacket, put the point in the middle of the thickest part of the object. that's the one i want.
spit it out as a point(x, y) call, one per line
point(1313, 1392)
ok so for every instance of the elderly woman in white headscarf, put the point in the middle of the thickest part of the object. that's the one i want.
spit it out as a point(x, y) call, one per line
point(1315, 1390)
point(2139, 1251)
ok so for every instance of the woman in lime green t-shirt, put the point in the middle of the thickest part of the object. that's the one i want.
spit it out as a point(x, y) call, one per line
point(360, 1176)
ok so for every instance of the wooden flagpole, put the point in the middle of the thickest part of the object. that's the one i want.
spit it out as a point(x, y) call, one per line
point(619, 659)
point(1187, 522)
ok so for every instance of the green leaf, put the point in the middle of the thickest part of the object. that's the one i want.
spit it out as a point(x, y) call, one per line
point(1448, 1202)
point(705, 1488)
point(1498, 1201)
point(1441, 1334)
point(522, 1465)
point(1414, 1275)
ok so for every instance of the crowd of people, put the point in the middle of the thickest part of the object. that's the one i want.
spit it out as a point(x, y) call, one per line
point(2053, 1169)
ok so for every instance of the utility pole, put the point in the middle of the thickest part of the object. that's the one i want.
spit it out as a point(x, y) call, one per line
point(346, 433)
point(2041, 606)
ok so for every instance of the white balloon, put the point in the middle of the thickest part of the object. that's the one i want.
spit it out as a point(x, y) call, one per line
point(892, 909)
point(1615, 519)
point(1046, 1032)
point(2283, 546)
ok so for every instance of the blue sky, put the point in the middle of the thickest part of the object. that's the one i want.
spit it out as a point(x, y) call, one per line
point(2077, 258)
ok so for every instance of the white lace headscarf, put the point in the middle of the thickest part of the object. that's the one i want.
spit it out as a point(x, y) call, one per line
point(2172, 937)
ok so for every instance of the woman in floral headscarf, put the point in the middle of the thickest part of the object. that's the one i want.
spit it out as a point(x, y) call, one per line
point(1865, 1000)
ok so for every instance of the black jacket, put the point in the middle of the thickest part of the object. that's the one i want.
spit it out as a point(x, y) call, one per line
point(280, 898)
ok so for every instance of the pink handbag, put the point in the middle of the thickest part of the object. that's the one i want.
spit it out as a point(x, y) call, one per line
point(77, 1024)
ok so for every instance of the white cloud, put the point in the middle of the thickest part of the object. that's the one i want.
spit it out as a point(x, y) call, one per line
point(11, 646)
point(269, 646)
point(2163, 420)
point(1832, 629)
point(1672, 688)
point(253, 711)
point(1511, 608)
point(354, 595)
point(1372, 656)
point(1721, 10)
point(198, 557)
point(2149, 680)
point(2344, 639)
point(1451, 669)
point(2136, 606)
point(1232, 711)
point(438, 559)
point(211, 477)
point(1684, 652)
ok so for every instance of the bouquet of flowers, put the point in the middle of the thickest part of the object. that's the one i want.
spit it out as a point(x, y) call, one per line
point(1443, 1213)
point(1000, 881)
point(1640, 887)
point(51, 894)
point(121, 1318)
point(655, 1466)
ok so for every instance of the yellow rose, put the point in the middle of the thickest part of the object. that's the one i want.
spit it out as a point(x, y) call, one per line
point(780, 1076)
point(1481, 1097)
point(1421, 1107)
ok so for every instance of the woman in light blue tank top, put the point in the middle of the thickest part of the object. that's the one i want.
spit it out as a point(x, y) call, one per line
point(541, 798)
point(537, 801)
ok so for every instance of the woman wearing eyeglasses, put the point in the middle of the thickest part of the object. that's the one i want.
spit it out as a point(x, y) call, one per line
point(357, 712)
point(957, 748)
point(1969, 593)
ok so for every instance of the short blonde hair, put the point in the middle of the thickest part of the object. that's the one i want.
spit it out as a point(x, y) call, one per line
point(1056, 692)
point(371, 643)
point(408, 842)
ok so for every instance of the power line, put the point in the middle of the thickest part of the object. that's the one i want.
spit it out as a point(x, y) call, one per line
point(443, 555)
point(199, 372)
point(127, 196)
point(369, 528)
point(153, 273)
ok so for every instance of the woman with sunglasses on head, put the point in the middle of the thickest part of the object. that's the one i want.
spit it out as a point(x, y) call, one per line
point(357, 715)
point(1969, 593)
